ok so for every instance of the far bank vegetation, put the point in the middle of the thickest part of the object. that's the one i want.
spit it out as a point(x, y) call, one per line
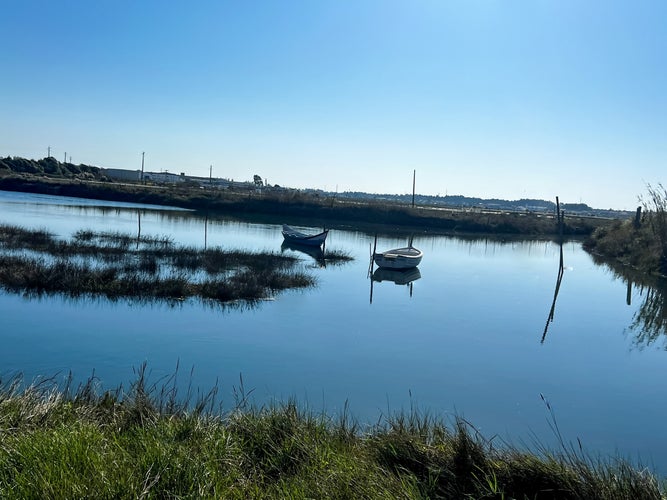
point(640, 242)
point(49, 176)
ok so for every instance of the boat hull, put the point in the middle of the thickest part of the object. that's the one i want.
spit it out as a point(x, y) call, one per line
point(399, 258)
point(293, 236)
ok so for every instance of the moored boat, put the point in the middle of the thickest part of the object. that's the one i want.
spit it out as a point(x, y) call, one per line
point(293, 236)
point(399, 258)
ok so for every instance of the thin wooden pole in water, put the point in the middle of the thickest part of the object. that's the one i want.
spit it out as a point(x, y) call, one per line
point(138, 226)
point(370, 264)
point(205, 230)
point(560, 218)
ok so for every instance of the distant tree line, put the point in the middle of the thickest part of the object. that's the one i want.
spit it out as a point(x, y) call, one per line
point(49, 167)
point(460, 201)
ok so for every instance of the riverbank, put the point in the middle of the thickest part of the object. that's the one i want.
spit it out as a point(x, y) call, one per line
point(639, 244)
point(308, 209)
point(148, 442)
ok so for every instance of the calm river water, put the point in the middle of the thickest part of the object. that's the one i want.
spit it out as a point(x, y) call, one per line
point(467, 338)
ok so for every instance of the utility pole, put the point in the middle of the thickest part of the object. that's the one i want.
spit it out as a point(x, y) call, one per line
point(210, 175)
point(414, 175)
point(142, 167)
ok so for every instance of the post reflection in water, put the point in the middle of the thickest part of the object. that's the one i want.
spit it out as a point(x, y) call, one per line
point(399, 277)
point(559, 279)
point(138, 227)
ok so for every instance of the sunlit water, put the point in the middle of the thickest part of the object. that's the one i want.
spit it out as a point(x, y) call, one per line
point(467, 338)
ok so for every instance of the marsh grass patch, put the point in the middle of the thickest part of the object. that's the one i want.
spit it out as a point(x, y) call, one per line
point(115, 265)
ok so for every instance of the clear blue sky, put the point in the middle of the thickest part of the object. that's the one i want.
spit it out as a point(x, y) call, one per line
point(505, 98)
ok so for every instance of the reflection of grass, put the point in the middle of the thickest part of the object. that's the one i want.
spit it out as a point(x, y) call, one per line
point(146, 442)
point(116, 265)
point(649, 323)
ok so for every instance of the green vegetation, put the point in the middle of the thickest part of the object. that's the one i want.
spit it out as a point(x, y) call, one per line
point(640, 243)
point(144, 443)
point(117, 265)
point(49, 167)
point(278, 205)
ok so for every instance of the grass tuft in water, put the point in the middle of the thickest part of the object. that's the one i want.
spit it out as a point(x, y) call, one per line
point(115, 265)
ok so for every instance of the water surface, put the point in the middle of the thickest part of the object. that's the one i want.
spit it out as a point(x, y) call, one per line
point(466, 338)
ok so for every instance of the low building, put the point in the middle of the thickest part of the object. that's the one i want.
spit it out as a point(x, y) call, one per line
point(164, 177)
point(119, 174)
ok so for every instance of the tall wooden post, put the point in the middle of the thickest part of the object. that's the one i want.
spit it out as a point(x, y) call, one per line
point(414, 175)
point(638, 217)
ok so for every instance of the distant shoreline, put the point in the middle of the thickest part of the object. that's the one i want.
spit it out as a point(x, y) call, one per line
point(310, 209)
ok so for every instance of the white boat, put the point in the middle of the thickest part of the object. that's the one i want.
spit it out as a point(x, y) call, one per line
point(293, 236)
point(398, 258)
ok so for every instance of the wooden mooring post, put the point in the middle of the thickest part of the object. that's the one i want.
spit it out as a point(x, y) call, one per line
point(560, 217)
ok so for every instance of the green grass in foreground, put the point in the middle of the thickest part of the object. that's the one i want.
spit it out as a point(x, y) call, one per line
point(55, 443)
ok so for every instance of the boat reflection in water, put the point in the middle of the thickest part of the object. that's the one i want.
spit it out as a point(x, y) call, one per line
point(315, 252)
point(397, 276)
point(400, 277)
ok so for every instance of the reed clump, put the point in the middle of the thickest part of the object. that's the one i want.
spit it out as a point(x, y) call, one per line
point(640, 243)
point(116, 265)
point(148, 441)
